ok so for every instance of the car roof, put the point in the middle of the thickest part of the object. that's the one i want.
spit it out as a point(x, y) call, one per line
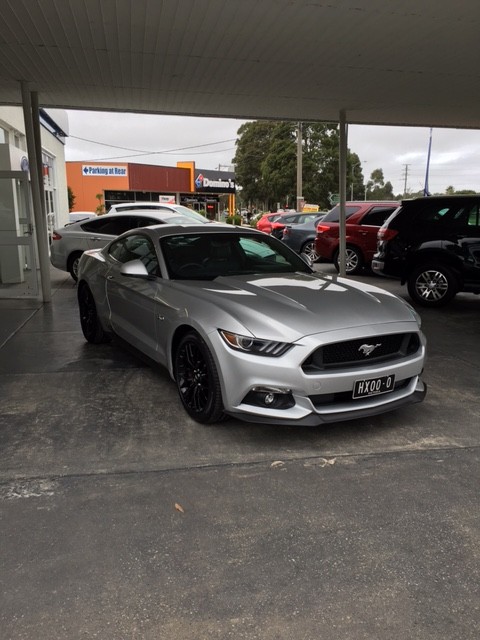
point(145, 205)
point(148, 215)
point(142, 213)
point(445, 198)
point(163, 230)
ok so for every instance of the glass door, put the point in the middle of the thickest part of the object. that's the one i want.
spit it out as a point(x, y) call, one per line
point(18, 258)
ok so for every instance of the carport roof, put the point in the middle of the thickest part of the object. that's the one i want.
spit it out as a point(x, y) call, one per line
point(382, 61)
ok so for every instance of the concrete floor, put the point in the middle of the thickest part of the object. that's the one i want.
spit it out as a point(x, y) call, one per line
point(122, 518)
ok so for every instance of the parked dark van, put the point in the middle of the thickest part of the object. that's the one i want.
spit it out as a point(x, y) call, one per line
point(433, 245)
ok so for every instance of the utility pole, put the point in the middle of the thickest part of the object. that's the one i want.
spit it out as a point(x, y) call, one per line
point(299, 168)
point(406, 178)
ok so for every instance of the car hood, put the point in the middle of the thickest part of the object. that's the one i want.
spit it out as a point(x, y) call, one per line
point(296, 305)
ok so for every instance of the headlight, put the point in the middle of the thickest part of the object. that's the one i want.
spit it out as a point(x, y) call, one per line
point(256, 346)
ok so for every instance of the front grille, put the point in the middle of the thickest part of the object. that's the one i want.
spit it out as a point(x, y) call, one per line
point(361, 352)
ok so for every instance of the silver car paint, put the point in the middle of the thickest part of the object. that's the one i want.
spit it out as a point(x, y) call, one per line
point(306, 310)
point(75, 239)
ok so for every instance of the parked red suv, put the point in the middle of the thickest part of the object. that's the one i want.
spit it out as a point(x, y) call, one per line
point(363, 219)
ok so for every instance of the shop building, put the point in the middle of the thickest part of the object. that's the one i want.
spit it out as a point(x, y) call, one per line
point(19, 257)
point(98, 185)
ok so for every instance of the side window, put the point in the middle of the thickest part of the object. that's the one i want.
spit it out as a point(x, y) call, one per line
point(377, 216)
point(437, 214)
point(334, 214)
point(113, 226)
point(145, 222)
point(136, 248)
point(473, 217)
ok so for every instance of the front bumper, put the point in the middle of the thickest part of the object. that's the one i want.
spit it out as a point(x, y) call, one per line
point(323, 397)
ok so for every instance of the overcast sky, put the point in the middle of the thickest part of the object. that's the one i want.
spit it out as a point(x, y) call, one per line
point(400, 151)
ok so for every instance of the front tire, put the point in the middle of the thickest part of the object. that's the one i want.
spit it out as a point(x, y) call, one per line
point(353, 261)
point(197, 380)
point(432, 285)
point(89, 320)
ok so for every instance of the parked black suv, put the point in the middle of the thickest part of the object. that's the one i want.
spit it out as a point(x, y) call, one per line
point(432, 244)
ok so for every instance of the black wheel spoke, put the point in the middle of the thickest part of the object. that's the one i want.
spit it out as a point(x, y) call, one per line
point(197, 379)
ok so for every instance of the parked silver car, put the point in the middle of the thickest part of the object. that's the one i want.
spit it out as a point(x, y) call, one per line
point(246, 327)
point(69, 242)
point(301, 237)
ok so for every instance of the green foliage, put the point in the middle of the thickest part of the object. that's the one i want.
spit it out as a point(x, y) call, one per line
point(100, 210)
point(266, 164)
point(235, 219)
point(377, 188)
point(71, 199)
point(450, 191)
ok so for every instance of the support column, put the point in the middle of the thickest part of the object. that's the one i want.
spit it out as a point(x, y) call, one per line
point(38, 208)
point(342, 189)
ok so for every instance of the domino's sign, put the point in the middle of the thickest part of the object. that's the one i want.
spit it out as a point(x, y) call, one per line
point(119, 171)
point(212, 182)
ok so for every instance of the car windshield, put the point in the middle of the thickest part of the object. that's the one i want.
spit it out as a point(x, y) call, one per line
point(190, 213)
point(208, 256)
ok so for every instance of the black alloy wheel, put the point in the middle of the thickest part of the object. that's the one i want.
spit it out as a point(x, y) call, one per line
point(89, 321)
point(432, 285)
point(353, 261)
point(197, 380)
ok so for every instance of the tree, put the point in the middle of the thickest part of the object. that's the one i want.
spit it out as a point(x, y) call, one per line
point(279, 166)
point(377, 188)
point(252, 145)
point(71, 199)
point(266, 164)
point(100, 210)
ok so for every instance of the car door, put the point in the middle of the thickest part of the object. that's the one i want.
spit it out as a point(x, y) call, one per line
point(133, 300)
point(464, 241)
point(364, 233)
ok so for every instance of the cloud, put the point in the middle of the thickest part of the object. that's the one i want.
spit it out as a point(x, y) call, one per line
point(400, 151)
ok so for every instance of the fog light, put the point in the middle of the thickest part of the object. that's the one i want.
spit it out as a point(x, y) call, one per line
point(269, 398)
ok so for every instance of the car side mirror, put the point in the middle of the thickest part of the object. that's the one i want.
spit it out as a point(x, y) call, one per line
point(134, 269)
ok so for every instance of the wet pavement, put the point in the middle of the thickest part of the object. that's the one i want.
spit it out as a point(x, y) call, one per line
point(122, 518)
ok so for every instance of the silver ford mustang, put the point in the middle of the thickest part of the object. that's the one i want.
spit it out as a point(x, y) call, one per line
point(246, 327)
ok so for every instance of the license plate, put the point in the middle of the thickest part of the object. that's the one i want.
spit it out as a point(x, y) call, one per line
point(373, 386)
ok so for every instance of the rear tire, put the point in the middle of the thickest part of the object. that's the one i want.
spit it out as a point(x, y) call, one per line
point(89, 320)
point(72, 265)
point(309, 250)
point(197, 380)
point(353, 261)
point(432, 285)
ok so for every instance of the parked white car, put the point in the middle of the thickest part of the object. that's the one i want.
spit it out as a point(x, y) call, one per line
point(126, 207)
point(69, 242)
point(75, 216)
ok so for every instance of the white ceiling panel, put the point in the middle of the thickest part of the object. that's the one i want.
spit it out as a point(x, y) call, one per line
point(382, 61)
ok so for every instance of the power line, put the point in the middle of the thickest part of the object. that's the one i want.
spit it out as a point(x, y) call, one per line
point(143, 152)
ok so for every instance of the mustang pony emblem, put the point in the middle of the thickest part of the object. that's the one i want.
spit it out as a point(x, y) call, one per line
point(367, 349)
